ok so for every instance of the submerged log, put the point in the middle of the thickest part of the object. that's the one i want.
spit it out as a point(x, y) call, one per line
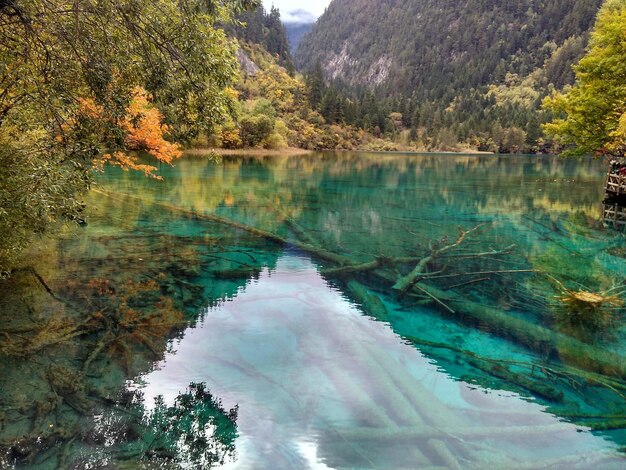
point(604, 424)
point(497, 368)
point(405, 283)
point(314, 250)
point(236, 274)
point(503, 372)
point(371, 303)
point(535, 337)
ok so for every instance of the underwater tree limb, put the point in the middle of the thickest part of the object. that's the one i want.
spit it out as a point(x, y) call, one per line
point(435, 299)
point(467, 283)
point(357, 268)
point(378, 262)
point(300, 232)
point(314, 250)
point(480, 273)
point(31, 270)
point(96, 351)
point(503, 251)
point(535, 337)
point(498, 368)
point(405, 283)
point(372, 305)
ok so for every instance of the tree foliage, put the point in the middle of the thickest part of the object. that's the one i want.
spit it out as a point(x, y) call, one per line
point(69, 72)
point(275, 110)
point(258, 26)
point(593, 111)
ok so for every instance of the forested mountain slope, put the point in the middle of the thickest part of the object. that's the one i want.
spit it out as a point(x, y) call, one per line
point(259, 26)
point(435, 60)
point(438, 47)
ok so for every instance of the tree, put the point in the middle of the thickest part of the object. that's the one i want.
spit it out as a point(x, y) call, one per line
point(68, 94)
point(316, 85)
point(593, 112)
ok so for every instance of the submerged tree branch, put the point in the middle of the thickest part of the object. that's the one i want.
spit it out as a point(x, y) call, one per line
point(535, 337)
point(405, 283)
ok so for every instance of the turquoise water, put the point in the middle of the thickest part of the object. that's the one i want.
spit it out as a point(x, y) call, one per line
point(304, 365)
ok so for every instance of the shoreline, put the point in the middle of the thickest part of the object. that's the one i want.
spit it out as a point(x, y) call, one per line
point(290, 152)
point(293, 151)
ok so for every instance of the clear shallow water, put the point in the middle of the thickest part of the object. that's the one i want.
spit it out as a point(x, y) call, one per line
point(327, 370)
point(320, 385)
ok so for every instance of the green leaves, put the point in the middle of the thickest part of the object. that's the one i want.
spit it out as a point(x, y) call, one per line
point(57, 57)
point(590, 116)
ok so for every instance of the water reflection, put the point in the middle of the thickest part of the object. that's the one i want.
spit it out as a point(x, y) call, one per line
point(157, 276)
point(321, 386)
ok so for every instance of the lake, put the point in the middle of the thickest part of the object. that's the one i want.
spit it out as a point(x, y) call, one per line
point(332, 310)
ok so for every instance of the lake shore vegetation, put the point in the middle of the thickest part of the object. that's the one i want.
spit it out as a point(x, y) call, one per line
point(88, 82)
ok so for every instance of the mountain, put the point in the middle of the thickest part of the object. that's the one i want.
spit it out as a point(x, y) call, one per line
point(295, 33)
point(471, 68)
point(297, 24)
point(440, 46)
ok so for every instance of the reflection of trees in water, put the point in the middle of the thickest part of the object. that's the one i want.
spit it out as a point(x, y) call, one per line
point(119, 297)
point(196, 431)
point(263, 191)
point(59, 373)
point(356, 206)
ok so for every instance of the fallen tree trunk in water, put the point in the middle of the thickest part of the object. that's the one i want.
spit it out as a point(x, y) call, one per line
point(314, 250)
point(536, 338)
point(372, 305)
point(405, 283)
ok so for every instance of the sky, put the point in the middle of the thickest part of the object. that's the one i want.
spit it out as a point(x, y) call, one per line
point(296, 10)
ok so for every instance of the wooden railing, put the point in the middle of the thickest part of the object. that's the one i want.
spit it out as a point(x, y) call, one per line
point(615, 184)
point(614, 214)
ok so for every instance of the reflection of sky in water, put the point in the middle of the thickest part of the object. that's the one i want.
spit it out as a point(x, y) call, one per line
point(321, 386)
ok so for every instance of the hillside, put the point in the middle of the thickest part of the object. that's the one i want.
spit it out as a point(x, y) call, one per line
point(273, 111)
point(265, 28)
point(462, 67)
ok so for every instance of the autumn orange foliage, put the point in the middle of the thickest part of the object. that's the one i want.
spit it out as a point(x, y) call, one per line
point(145, 131)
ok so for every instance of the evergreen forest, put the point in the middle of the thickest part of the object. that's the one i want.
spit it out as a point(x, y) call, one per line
point(450, 72)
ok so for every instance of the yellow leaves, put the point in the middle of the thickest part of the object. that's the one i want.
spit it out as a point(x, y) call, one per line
point(557, 101)
point(144, 124)
point(232, 93)
point(230, 138)
point(277, 86)
point(144, 131)
point(618, 142)
point(558, 127)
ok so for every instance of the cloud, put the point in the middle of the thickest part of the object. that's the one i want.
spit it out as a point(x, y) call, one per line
point(298, 16)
